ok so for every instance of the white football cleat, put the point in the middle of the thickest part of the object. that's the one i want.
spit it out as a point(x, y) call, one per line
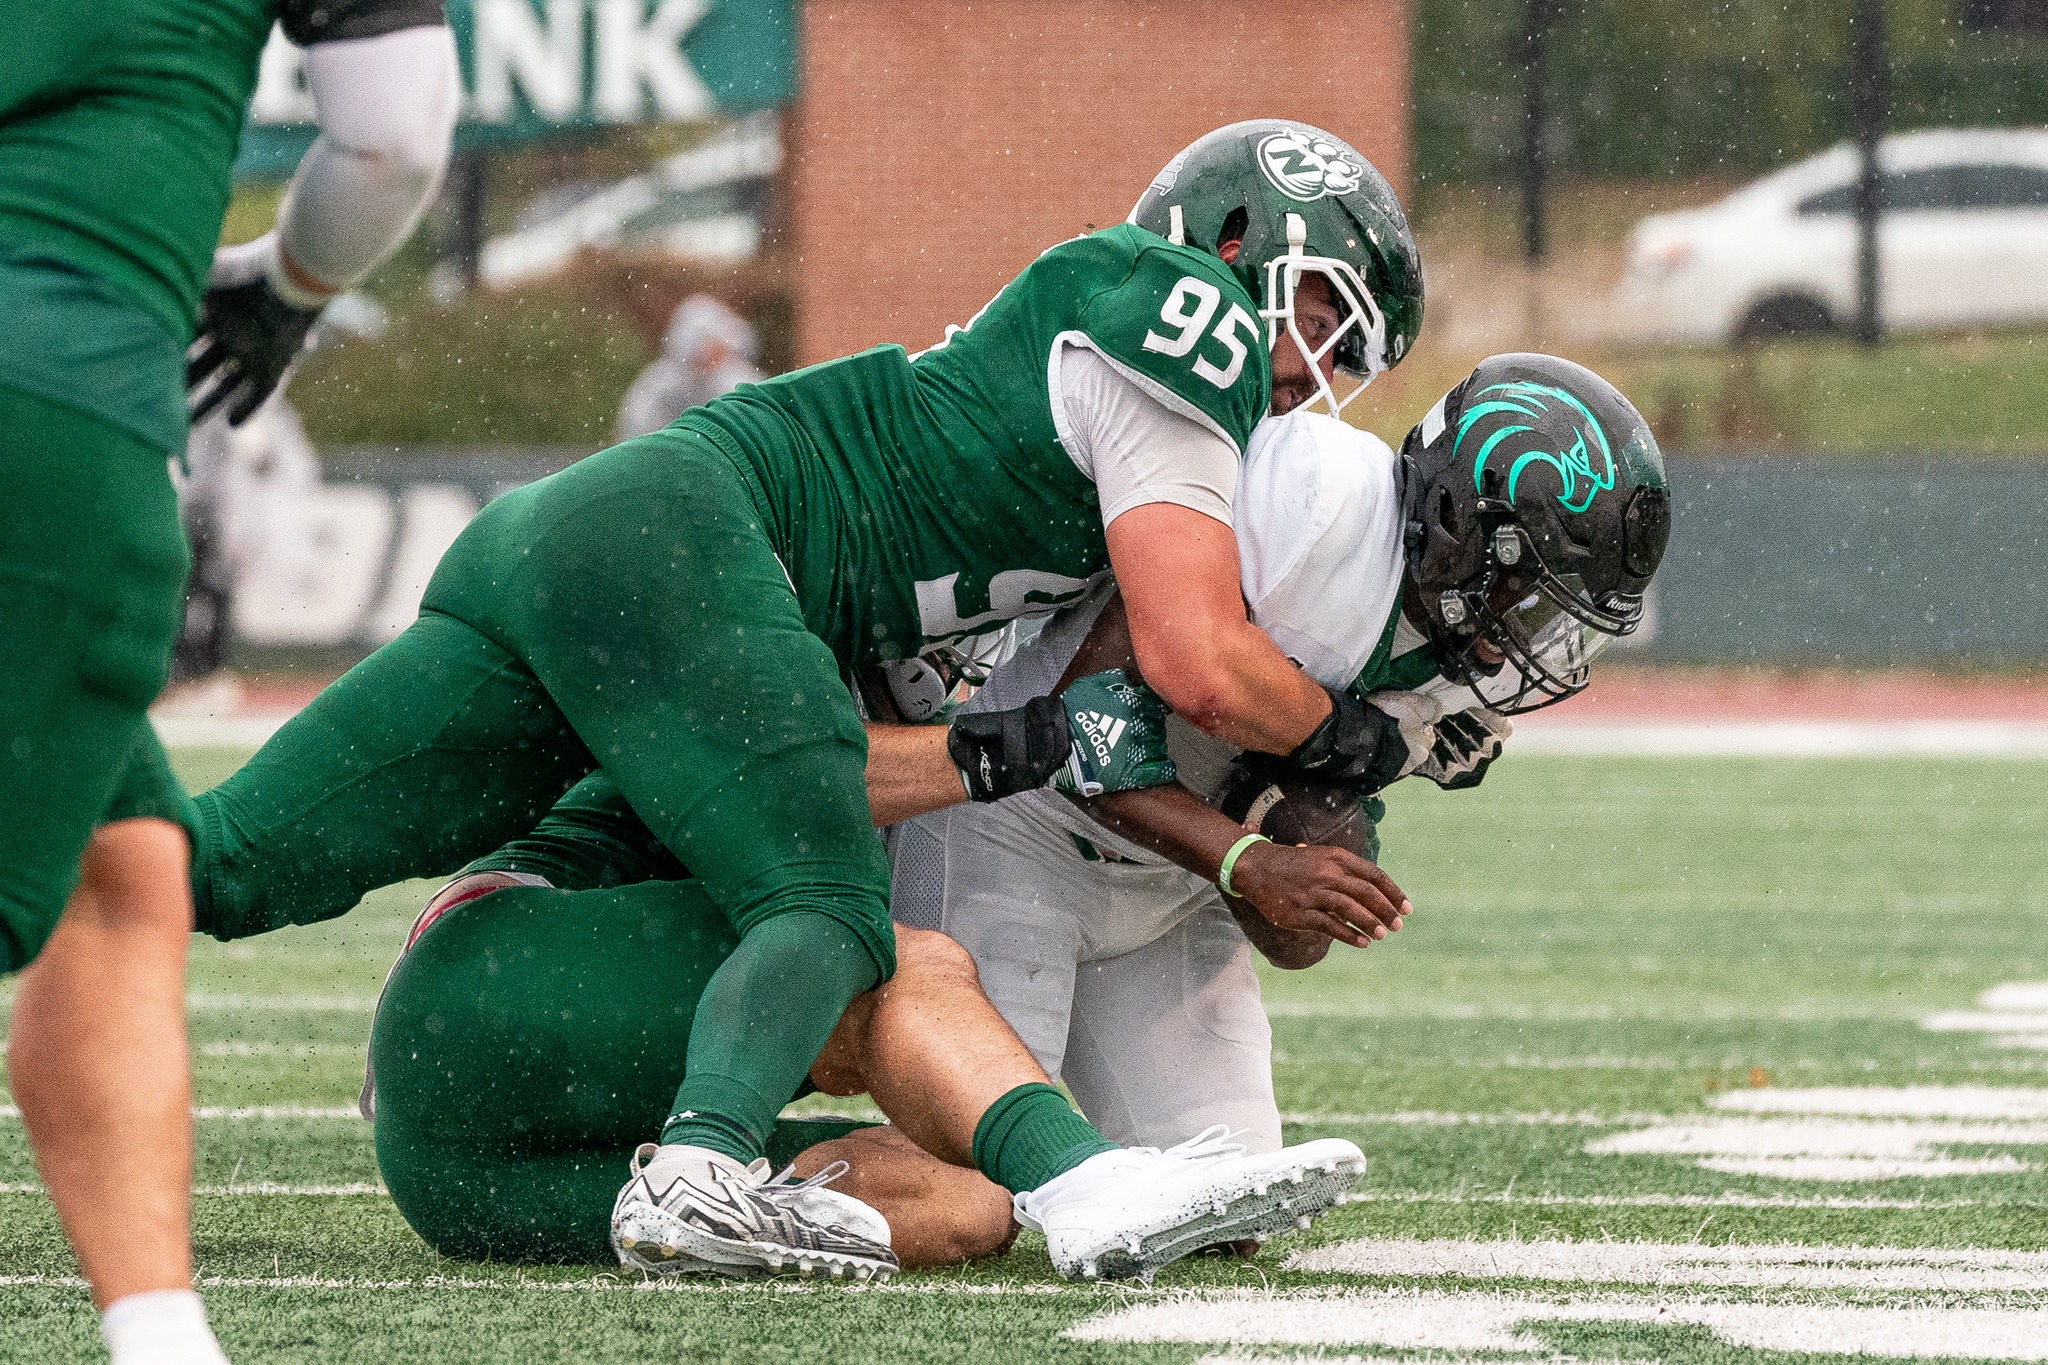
point(692, 1211)
point(1127, 1213)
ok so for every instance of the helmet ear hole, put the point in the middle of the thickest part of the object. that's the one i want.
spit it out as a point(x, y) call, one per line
point(1446, 511)
point(1236, 224)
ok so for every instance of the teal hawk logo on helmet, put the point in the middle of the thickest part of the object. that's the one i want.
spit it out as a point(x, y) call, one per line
point(1306, 166)
point(1579, 482)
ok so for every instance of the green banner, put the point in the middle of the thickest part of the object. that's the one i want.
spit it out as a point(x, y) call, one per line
point(537, 68)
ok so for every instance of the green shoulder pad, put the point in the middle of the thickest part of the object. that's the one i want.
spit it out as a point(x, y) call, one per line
point(1179, 323)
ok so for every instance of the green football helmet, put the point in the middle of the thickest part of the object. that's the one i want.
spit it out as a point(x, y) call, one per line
point(1299, 201)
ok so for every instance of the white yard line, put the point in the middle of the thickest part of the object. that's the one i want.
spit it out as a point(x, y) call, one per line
point(1438, 1321)
point(1852, 1168)
point(282, 1049)
point(605, 1284)
point(254, 1113)
point(282, 1004)
point(1786, 739)
point(1729, 1200)
point(1877, 1101)
point(1431, 1118)
point(219, 732)
point(1669, 1264)
point(256, 1190)
point(2018, 995)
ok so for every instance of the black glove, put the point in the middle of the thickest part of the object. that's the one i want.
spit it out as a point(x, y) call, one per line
point(1357, 744)
point(1001, 753)
point(248, 337)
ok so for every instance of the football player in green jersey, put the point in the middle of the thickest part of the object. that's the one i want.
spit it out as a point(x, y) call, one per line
point(119, 120)
point(681, 609)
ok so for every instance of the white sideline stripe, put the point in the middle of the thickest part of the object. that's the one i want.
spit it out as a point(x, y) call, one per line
point(1787, 739)
point(1787, 1266)
point(251, 1113)
point(314, 1004)
point(1730, 1200)
point(605, 1284)
point(2036, 1041)
point(1431, 1320)
point(1877, 1101)
point(256, 1189)
point(218, 732)
point(2018, 995)
point(1847, 1168)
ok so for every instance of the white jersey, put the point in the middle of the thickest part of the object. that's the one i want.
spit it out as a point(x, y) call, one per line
point(1129, 979)
point(1318, 523)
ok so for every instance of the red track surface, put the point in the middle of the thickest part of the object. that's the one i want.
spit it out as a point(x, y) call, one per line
point(1625, 694)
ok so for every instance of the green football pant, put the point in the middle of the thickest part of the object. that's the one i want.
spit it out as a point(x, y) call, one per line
point(92, 578)
point(628, 611)
point(525, 1045)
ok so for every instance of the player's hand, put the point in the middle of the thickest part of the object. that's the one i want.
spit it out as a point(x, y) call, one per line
point(1370, 743)
point(1312, 887)
point(1104, 733)
point(1467, 742)
point(1119, 736)
point(248, 337)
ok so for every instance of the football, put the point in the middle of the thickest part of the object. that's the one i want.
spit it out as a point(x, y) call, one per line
point(1297, 810)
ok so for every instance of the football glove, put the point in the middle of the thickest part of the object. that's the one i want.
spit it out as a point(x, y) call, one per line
point(249, 335)
point(1369, 743)
point(1104, 733)
point(1119, 736)
point(1467, 742)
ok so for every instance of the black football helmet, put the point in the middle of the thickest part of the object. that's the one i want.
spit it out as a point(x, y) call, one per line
point(1535, 510)
point(1299, 201)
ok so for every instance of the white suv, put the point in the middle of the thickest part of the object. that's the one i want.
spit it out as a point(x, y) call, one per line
point(1964, 242)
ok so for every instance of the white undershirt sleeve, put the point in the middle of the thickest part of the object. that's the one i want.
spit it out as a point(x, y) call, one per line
point(387, 108)
point(1136, 449)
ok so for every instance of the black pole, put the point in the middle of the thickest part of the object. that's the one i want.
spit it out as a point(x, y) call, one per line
point(466, 241)
point(1869, 95)
point(1536, 15)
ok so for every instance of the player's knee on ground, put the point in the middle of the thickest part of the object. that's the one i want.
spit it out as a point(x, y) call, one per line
point(132, 877)
point(925, 960)
point(939, 1214)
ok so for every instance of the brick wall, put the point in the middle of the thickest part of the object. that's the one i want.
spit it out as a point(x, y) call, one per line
point(940, 144)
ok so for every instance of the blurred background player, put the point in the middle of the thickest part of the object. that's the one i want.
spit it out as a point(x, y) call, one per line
point(118, 124)
point(707, 351)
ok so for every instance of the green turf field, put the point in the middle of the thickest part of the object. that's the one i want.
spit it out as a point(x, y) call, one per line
point(1649, 1075)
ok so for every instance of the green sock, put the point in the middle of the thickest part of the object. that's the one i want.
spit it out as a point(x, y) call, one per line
point(1031, 1135)
point(760, 1024)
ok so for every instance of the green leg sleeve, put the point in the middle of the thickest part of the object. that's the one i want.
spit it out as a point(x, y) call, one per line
point(760, 1025)
point(724, 723)
point(92, 571)
point(435, 749)
point(528, 1042)
point(591, 839)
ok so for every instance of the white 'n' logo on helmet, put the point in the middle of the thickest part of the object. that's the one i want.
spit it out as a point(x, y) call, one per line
point(1306, 166)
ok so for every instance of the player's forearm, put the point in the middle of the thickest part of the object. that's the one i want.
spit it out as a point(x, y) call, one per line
point(1232, 682)
point(387, 108)
point(909, 772)
point(1170, 821)
point(1178, 572)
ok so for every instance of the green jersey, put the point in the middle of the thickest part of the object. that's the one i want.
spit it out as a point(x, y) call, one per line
point(119, 122)
point(926, 498)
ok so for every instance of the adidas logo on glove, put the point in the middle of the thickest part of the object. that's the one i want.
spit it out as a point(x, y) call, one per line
point(1102, 731)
